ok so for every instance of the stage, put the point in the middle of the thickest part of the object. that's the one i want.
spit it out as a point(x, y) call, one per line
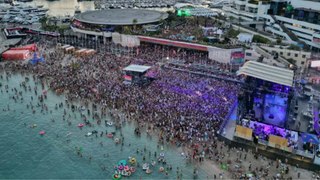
point(273, 110)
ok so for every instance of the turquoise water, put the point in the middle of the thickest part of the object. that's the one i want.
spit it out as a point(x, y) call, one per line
point(27, 155)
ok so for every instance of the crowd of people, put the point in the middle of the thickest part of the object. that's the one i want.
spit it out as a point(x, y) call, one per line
point(186, 105)
point(182, 108)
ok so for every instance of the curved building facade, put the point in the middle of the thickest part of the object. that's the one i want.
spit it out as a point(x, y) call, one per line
point(101, 23)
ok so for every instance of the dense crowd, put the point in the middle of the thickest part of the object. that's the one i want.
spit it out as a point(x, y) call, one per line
point(185, 105)
point(182, 108)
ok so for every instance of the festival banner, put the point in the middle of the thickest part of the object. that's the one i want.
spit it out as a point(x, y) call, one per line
point(116, 38)
point(219, 55)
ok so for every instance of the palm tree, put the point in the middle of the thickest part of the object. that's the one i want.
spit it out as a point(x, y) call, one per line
point(161, 22)
point(43, 21)
point(239, 19)
point(134, 22)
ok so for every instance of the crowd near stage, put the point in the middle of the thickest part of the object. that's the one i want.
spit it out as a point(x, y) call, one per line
point(263, 117)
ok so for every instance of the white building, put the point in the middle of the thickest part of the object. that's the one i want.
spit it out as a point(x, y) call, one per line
point(295, 21)
point(299, 57)
point(246, 10)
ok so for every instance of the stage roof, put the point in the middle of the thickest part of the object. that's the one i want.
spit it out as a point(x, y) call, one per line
point(267, 73)
point(137, 68)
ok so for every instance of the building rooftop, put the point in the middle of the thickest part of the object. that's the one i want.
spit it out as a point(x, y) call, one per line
point(121, 16)
point(309, 10)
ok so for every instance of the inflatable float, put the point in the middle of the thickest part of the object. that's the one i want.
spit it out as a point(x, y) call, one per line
point(116, 176)
point(120, 168)
point(109, 123)
point(132, 169)
point(132, 160)
point(88, 134)
point(42, 133)
point(80, 125)
point(109, 135)
point(122, 162)
point(162, 154)
point(145, 166)
point(116, 140)
point(125, 173)
point(153, 163)
point(126, 168)
point(148, 171)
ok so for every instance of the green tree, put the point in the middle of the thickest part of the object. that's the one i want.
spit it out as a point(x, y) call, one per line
point(240, 19)
point(134, 22)
point(162, 22)
point(294, 47)
point(260, 39)
point(126, 30)
point(279, 40)
point(232, 33)
point(43, 20)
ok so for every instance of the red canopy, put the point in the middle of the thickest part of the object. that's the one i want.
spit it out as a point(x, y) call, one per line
point(167, 42)
point(16, 55)
point(30, 47)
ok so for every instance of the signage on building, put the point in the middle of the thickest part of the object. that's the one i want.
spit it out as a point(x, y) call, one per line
point(316, 40)
point(237, 56)
point(315, 63)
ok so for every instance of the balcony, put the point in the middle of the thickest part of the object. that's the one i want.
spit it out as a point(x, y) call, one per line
point(251, 5)
point(239, 2)
point(256, 2)
point(316, 35)
point(248, 14)
point(105, 34)
point(301, 29)
point(228, 8)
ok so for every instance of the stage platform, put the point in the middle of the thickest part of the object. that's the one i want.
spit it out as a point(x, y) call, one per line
point(305, 160)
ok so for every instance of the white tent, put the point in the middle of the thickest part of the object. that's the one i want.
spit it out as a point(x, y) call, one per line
point(137, 68)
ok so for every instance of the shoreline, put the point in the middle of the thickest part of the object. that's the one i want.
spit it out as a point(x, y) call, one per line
point(154, 133)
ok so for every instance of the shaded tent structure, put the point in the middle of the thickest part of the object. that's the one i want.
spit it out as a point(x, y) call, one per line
point(36, 59)
point(80, 52)
point(14, 55)
point(136, 74)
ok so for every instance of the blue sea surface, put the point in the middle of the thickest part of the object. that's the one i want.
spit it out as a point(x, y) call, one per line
point(24, 154)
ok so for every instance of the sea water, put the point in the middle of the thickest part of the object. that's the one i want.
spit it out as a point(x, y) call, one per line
point(24, 154)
